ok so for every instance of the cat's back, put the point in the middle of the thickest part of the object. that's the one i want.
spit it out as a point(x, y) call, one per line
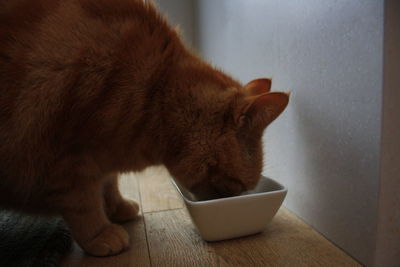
point(50, 49)
point(59, 59)
point(49, 35)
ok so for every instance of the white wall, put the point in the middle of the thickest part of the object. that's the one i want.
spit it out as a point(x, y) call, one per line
point(326, 147)
point(180, 13)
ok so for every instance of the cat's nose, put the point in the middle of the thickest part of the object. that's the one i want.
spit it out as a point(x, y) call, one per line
point(218, 188)
point(204, 191)
point(228, 187)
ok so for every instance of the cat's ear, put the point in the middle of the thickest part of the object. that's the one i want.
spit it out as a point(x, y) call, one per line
point(258, 86)
point(260, 110)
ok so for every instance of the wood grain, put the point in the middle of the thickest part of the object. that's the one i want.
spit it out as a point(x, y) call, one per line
point(287, 242)
point(137, 255)
point(173, 242)
point(129, 186)
point(157, 191)
point(165, 236)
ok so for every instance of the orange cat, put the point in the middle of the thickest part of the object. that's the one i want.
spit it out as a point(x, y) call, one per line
point(91, 88)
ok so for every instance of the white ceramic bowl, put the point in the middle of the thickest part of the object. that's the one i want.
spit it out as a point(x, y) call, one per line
point(238, 216)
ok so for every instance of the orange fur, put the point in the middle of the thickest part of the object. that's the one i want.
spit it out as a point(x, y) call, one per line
point(91, 88)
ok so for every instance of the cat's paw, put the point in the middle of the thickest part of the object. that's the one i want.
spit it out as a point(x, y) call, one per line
point(112, 240)
point(125, 211)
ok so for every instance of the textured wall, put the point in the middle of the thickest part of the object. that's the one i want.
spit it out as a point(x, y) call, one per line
point(182, 13)
point(326, 146)
point(336, 147)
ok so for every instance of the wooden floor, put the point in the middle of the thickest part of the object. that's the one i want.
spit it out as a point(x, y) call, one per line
point(164, 236)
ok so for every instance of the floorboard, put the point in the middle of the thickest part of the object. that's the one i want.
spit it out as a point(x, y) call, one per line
point(156, 191)
point(173, 241)
point(137, 255)
point(165, 236)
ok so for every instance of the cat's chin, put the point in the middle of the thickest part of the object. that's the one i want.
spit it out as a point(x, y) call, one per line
point(206, 196)
point(205, 191)
point(211, 196)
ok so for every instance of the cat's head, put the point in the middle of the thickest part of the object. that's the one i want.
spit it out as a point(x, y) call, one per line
point(217, 150)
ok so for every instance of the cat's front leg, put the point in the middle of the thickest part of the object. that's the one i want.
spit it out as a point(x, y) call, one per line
point(83, 211)
point(118, 208)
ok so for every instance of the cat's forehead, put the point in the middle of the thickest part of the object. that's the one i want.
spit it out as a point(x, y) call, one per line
point(234, 89)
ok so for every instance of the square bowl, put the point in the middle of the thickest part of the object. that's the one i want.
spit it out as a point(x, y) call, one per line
point(232, 217)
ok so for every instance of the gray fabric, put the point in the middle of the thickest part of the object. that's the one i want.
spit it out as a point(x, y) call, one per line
point(29, 241)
